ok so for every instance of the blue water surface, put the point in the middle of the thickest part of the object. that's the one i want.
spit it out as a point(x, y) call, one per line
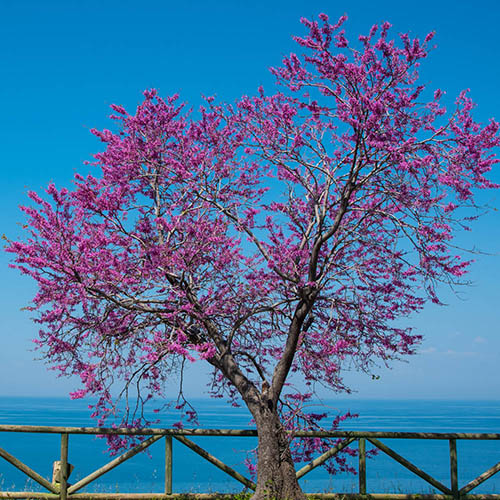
point(145, 472)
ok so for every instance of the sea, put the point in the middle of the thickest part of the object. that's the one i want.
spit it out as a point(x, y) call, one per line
point(191, 473)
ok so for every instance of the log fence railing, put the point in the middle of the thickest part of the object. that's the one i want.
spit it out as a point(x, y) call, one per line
point(60, 489)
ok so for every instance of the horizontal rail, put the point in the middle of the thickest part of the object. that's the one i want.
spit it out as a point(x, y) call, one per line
point(231, 496)
point(119, 496)
point(63, 491)
point(244, 432)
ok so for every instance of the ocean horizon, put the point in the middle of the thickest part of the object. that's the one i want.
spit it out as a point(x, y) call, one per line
point(191, 473)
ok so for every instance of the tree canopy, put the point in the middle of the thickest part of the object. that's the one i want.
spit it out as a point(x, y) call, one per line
point(288, 232)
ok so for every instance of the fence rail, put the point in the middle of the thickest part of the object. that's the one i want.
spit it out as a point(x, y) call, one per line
point(60, 489)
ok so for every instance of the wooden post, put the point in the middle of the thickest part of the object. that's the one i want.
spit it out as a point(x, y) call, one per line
point(63, 494)
point(362, 466)
point(168, 465)
point(453, 469)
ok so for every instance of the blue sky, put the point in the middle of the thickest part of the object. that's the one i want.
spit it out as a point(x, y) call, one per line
point(65, 62)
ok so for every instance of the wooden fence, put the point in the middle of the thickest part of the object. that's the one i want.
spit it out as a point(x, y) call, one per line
point(59, 488)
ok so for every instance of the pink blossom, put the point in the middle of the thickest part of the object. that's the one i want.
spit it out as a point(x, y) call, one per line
point(289, 232)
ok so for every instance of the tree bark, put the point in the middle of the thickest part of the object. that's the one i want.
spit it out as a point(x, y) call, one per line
point(276, 478)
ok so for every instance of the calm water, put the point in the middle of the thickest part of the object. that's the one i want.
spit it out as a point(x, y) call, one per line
point(192, 473)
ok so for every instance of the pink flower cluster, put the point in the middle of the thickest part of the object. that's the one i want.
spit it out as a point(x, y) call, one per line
point(289, 232)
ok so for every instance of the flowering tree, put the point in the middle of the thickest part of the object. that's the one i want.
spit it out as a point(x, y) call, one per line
point(283, 234)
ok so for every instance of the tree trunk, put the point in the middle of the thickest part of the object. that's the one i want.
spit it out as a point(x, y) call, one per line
point(276, 478)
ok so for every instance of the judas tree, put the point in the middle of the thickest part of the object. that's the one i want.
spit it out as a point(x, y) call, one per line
point(283, 237)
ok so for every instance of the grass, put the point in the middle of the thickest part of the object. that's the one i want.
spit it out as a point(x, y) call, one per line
point(391, 488)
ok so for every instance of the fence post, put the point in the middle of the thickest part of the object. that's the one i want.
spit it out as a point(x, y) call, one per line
point(168, 465)
point(362, 465)
point(453, 468)
point(63, 494)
